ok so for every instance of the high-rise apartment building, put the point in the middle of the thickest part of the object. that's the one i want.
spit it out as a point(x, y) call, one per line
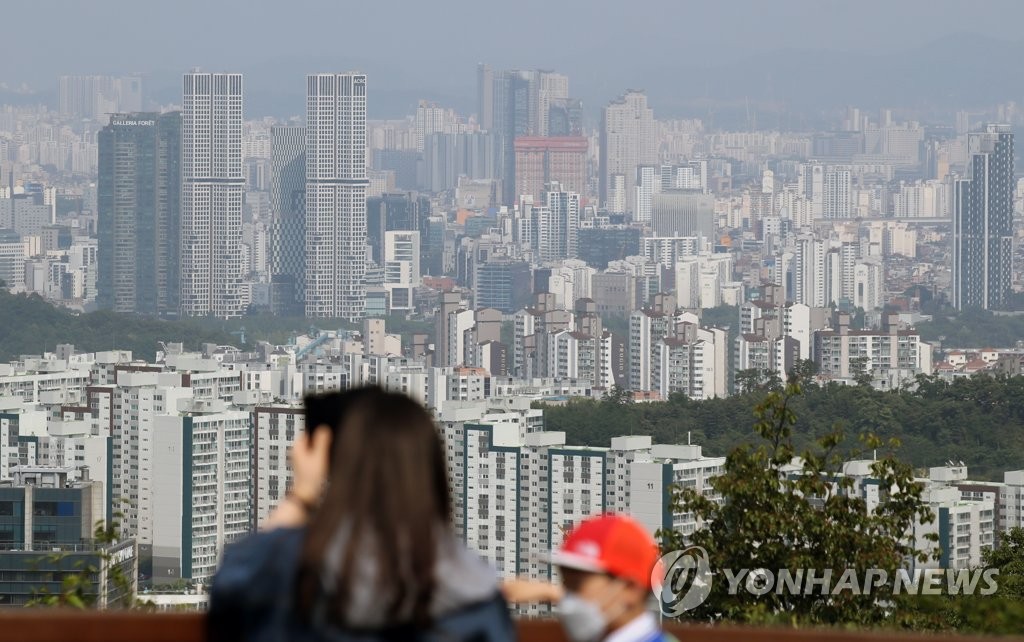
point(556, 224)
point(213, 184)
point(648, 183)
point(139, 207)
point(541, 160)
point(201, 474)
point(401, 267)
point(983, 221)
point(627, 141)
point(336, 195)
point(837, 199)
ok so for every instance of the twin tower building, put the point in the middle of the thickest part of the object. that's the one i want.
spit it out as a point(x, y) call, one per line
point(170, 200)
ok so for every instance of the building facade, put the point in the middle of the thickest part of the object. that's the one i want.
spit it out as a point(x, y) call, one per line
point(542, 160)
point(213, 185)
point(336, 195)
point(983, 222)
point(627, 141)
point(288, 212)
point(139, 201)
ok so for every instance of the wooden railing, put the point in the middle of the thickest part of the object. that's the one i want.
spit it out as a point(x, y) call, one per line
point(39, 625)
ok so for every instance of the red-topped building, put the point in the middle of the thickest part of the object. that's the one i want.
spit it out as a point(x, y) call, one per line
point(541, 159)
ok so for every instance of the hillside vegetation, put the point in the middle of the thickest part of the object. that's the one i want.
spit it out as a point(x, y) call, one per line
point(978, 420)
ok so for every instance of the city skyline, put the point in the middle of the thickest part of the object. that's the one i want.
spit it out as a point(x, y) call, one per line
point(589, 259)
point(853, 53)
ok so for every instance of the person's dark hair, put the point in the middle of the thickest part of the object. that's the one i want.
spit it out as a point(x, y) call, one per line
point(388, 484)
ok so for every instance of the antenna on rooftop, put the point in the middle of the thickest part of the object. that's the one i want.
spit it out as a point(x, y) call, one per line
point(688, 438)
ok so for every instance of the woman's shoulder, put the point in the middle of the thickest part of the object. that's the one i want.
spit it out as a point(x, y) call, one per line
point(258, 566)
point(489, 619)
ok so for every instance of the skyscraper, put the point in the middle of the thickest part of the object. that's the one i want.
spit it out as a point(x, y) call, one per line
point(983, 221)
point(518, 103)
point(212, 188)
point(542, 159)
point(648, 183)
point(552, 91)
point(287, 205)
point(336, 195)
point(837, 199)
point(515, 104)
point(139, 200)
point(485, 96)
point(627, 141)
point(556, 224)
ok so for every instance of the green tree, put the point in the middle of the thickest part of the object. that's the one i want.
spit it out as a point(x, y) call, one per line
point(616, 396)
point(1001, 613)
point(861, 370)
point(805, 370)
point(777, 512)
point(1009, 559)
point(753, 380)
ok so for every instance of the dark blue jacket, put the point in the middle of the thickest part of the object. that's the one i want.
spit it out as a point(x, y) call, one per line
point(251, 599)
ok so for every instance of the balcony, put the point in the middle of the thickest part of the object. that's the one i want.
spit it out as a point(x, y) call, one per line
point(50, 625)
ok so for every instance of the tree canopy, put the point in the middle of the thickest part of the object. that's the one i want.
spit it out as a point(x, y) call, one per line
point(770, 518)
point(977, 420)
point(30, 325)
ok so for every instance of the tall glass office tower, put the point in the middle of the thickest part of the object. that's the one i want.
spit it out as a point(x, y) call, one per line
point(983, 221)
point(139, 200)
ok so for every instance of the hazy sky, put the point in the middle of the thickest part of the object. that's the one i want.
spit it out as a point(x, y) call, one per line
point(424, 46)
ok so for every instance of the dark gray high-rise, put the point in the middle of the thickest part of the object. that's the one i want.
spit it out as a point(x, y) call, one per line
point(510, 113)
point(139, 203)
point(983, 221)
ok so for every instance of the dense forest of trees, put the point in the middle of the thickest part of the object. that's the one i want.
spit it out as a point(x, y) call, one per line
point(978, 420)
point(974, 329)
point(29, 325)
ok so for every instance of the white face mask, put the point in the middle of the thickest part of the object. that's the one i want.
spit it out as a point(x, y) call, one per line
point(582, 620)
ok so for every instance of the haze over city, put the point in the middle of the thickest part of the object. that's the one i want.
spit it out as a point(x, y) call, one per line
point(399, 319)
point(802, 56)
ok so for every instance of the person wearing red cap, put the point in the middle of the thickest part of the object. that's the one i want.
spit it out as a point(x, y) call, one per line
point(606, 564)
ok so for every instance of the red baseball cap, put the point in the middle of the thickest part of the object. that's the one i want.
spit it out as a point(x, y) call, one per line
point(612, 544)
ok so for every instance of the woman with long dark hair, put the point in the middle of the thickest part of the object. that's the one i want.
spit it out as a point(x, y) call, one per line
point(362, 547)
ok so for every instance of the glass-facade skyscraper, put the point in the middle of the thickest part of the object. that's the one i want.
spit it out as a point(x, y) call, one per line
point(139, 203)
point(288, 207)
point(983, 221)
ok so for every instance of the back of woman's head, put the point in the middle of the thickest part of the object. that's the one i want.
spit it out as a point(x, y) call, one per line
point(387, 498)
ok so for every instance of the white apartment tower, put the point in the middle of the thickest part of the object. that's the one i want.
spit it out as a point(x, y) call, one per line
point(211, 201)
point(627, 141)
point(336, 195)
point(837, 200)
point(648, 183)
point(556, 225)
